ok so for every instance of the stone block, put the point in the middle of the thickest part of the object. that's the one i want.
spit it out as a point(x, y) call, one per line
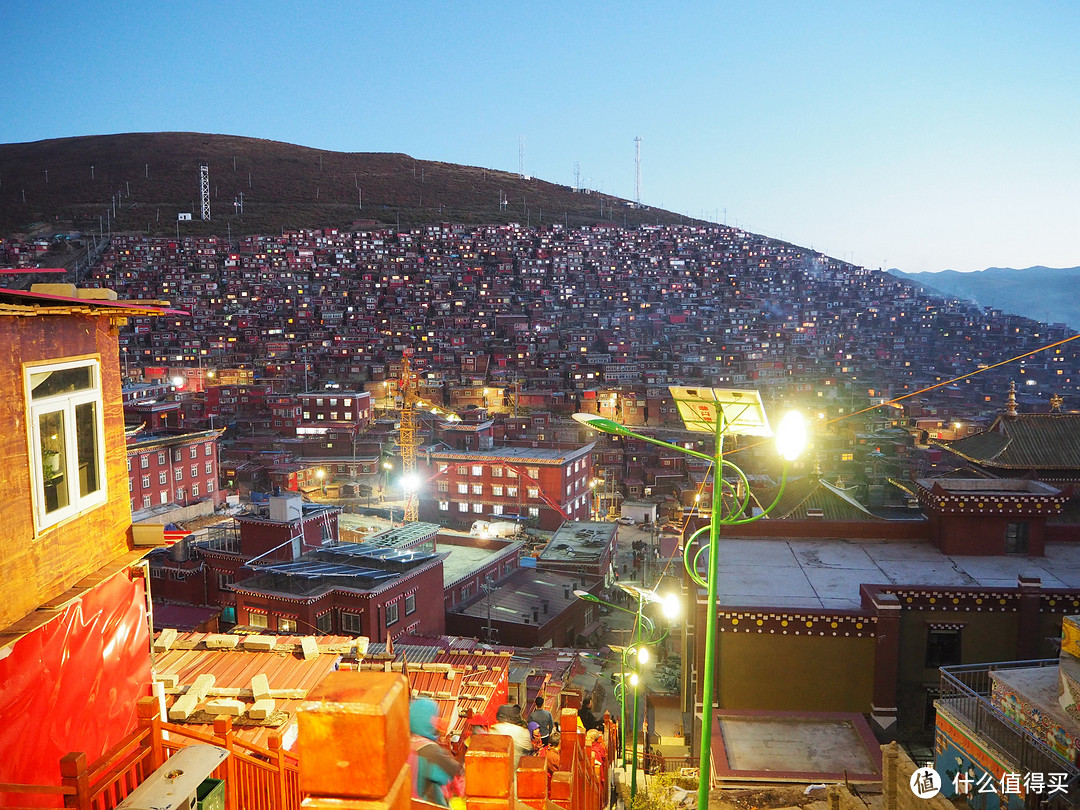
point(183, 707)
point(489, 766)
point(203, 684)
point(260, 687)
point(228, 706)
point(165, 639)
point(261, 709)
point(221, 641)
point(309, 648)
point(169, 680)
point(260, 643)
point(353, 725)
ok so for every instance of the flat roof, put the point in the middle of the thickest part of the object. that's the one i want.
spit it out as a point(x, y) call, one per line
point(464, 560)
point(514, 455)
point(827, 573)
point(524, 590)
point(579, 541)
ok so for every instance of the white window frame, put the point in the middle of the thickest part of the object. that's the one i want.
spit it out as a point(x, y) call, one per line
point(410, 604)
point(351, 622)
point(66, 403)
point(392, 611)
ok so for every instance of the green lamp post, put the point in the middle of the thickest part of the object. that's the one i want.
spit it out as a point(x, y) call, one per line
point(638, 647)
point(720, 412)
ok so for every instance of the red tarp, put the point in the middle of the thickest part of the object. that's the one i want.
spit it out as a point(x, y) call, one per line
point(72, 684)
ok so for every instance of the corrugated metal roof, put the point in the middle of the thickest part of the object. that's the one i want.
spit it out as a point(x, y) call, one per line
point(285, 668)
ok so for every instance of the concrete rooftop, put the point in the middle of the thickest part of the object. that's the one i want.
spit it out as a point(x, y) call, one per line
point(828, 573)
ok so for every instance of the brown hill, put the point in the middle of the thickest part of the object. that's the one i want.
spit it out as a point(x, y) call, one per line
point(148, 178)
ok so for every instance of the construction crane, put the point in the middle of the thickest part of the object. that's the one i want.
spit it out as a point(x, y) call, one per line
point(407, 440)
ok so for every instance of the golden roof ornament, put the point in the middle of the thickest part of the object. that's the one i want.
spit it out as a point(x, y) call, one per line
point(1056, 401)
point(1010, 403)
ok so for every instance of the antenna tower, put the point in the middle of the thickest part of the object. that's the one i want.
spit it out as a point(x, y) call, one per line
point(521, 155)
point(637, 170)
point(577, 176)
point(204, 189)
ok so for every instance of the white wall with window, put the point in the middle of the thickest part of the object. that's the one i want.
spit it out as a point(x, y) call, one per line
point(67, 447)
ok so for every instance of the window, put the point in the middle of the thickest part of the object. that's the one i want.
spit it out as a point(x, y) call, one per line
point(194, 452)
point(194, 470)
point(462, 470)
point(163, 497)
point(847, 456)
point(350, 622)
point(194, 490)
point(286, 624)
point(163, 477)
point(510, 473)
point(146, 501)
point(410, 604)
point(209, 467)
point(942, 646)
point(477, 489)
point(534, 511)
point(497, 490)
point(210, 487)
point(463, 489)
point(535, 493)
point(391, 613)
point(208, 449)
point(178, 474)
point(257, 620)
point(324, 623)
point(497, 472)
point(533, 472)
point(442, 486)
point(478, 508)
point(512, 491)
point(67, 460)
point(145, 481)
point(477, 471)
point(144, 461)
point(444, 506)
point(1016, 538)
point(466, 591)
point(161, 459)
point(463, 507)
point(180, 493)
point(497, 509)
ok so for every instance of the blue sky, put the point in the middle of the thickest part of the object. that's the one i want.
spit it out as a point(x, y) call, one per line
point(922, 136)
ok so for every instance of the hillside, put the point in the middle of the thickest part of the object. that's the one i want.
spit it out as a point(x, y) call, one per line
point(67, 184)
point(1040, 293)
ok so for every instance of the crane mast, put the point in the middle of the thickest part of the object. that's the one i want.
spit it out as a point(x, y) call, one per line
point(407, 437)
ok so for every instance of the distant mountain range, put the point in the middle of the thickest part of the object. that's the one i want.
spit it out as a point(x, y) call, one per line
point(1043, 294)
point(144, 180)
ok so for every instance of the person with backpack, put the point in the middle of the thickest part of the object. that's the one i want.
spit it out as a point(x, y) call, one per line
point(435, 774)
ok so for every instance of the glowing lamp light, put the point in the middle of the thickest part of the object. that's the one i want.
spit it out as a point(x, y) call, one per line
point(670, 606)
point(791, 436)
point(643, 655)
point(634, 679)
point(410, 483)
point(178, 382)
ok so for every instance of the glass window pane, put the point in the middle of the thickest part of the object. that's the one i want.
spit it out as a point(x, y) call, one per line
point(86, 438)
point(53, 460)
point(49, 383)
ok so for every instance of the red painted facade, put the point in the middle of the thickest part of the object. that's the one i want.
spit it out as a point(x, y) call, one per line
point(180, 469)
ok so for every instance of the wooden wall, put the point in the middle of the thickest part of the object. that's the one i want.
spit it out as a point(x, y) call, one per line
point(36, 569)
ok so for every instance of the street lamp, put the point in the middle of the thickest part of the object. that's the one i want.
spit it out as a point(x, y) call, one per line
point(321, 475)
point(670, 607)
point(720, 412)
